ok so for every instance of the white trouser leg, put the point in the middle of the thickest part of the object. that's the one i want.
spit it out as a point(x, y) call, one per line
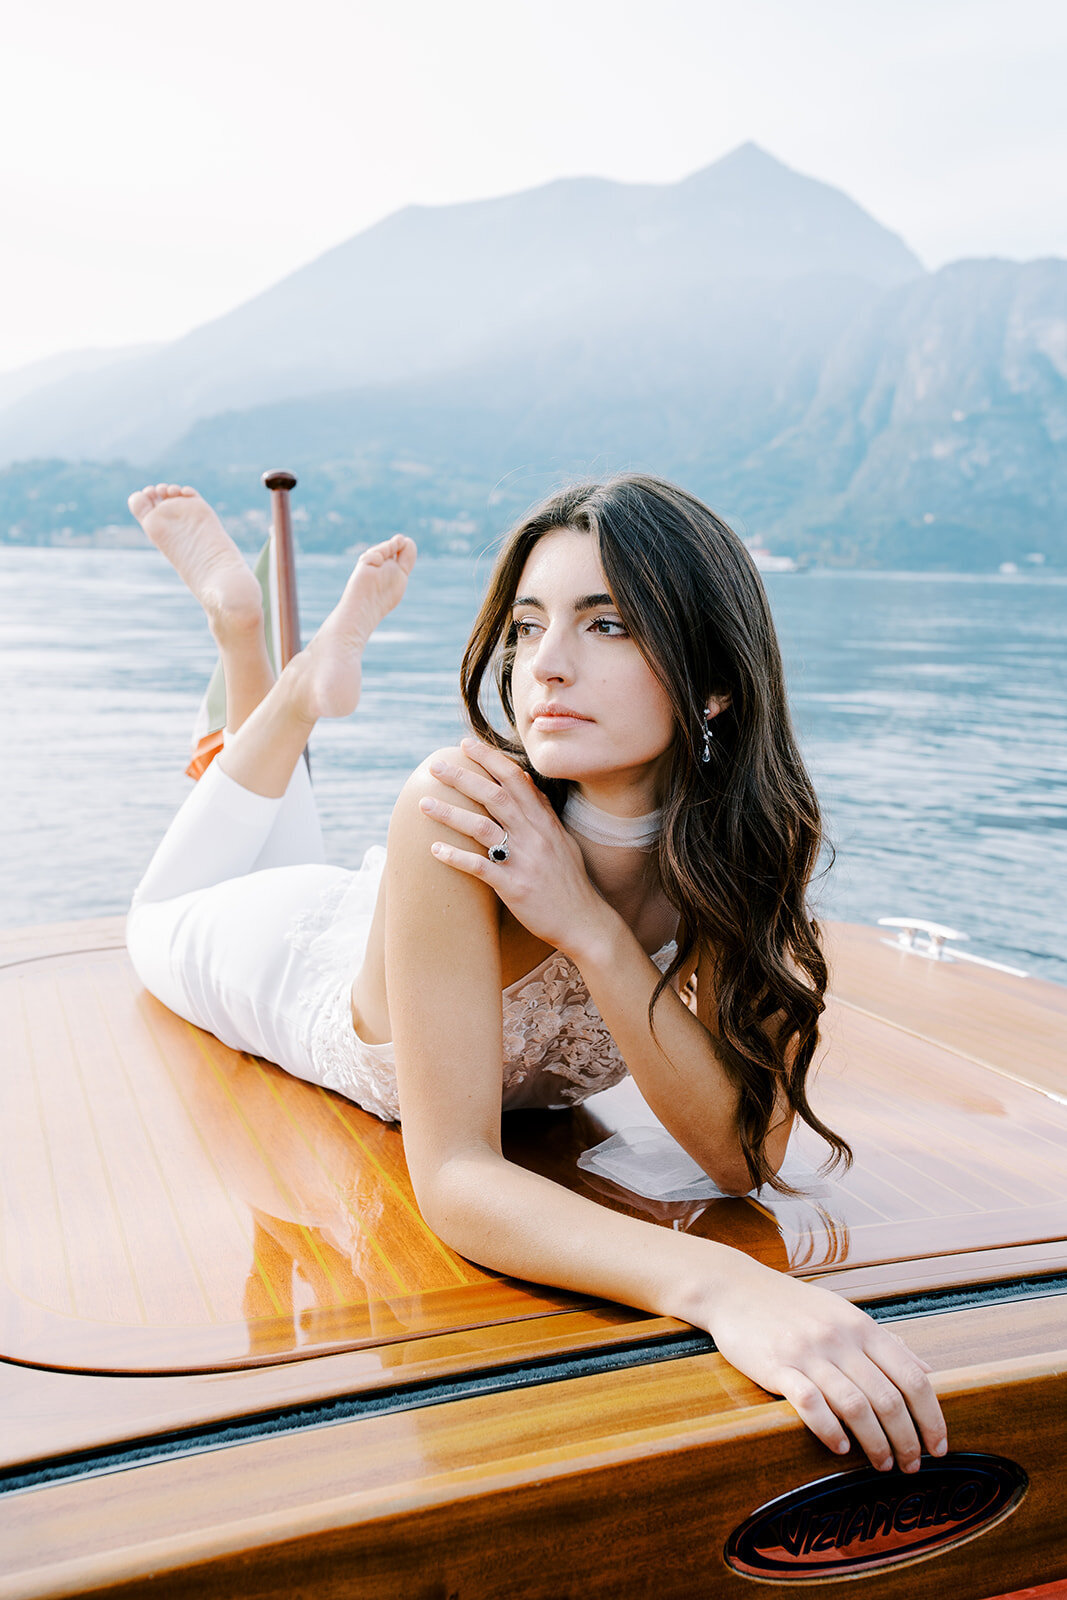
point(223, 831)
point(207, 930)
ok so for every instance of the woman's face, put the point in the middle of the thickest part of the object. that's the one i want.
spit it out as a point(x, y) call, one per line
point(588, 707)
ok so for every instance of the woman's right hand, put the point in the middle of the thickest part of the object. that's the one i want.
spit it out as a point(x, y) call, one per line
point(836, 1366)
point(543, 882)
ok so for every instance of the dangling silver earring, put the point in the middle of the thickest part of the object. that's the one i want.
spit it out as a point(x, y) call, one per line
point(709, 734)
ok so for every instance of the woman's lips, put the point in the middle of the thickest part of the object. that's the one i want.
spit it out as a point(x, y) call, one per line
point(551, 719)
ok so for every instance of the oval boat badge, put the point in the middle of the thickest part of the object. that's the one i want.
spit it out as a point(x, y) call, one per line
point(859, 1521)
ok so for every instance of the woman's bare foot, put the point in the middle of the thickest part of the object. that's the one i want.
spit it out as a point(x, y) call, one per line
point(192, 538)
point(328, 672)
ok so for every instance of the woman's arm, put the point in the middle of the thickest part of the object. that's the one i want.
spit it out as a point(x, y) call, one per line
point(833, 1363)
point(678, 1070)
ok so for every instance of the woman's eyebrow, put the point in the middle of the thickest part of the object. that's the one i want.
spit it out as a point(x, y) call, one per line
point(585, 602)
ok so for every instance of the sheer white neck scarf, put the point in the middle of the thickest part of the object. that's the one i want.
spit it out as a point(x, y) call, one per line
point(600, 827)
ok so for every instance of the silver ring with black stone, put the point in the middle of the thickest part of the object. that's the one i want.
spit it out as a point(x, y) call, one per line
point(499, 852)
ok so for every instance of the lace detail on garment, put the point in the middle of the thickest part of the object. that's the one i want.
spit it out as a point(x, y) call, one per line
point(319, 918)
point(333, 935)
point(551, 1025)
point(365, 1073)
point(552, 1030)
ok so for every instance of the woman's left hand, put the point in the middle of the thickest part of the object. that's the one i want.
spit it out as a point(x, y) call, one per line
point(543, 882)
point(837, 1367)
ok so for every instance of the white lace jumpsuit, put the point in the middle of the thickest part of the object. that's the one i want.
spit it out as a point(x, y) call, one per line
point(241, 927)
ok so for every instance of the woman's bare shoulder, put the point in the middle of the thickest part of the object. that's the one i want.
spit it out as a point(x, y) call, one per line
point(422, 784)
point(412, 832)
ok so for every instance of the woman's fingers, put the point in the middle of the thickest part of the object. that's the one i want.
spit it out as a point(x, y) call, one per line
point(486, 830)
point(872, 1410)
point(502, 786)
point(505, 772)
point(835, 1366)
point(888, 1405)
point(475, 866)
point(810, 1404)
point(909, 1376)
point(484, 790)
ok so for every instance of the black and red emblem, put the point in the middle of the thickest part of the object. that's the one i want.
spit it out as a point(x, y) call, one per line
point(860, 1521)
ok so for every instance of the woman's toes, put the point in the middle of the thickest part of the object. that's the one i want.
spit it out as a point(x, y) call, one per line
point(142, 501)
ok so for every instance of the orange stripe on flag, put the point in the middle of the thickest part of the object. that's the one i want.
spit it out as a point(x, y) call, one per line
point(207, 748)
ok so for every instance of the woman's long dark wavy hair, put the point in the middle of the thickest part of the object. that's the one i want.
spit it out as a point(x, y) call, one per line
point(741, 832)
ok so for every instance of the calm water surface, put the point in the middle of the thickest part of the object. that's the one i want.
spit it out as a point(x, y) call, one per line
point(930, 708)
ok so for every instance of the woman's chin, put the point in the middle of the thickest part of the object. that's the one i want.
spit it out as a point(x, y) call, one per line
point(565, 766)
point(562, 765)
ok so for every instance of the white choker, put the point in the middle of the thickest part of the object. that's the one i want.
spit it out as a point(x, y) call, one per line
point(600, 827)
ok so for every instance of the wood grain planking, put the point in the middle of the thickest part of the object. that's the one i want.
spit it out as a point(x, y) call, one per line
point(186, 1181)
point(36, 1265)
point(883, 1280)
point(19, 946)
point(380, 1149)
point(984, 1015)
point(697, 1445)
point(290, 1212)
point(170, 1285)
point(94, 1229)
point(49, 1413)
point(356, 1188)
point(212, 1210)
point(278, 1284)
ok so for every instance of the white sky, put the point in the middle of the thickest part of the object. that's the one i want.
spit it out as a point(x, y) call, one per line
point(159, 165)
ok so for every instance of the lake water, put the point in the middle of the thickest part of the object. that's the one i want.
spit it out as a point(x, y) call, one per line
point(930, 709)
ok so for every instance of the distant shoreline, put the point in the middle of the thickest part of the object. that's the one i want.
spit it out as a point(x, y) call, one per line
point(132, 542)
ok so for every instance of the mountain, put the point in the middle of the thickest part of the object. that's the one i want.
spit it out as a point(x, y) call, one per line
point(936, 433)
point(431, 290)
point(20, 382)
point(918, 427)
point(747, 331)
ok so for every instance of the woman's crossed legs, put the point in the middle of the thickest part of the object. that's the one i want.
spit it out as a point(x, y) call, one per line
point(243, 858)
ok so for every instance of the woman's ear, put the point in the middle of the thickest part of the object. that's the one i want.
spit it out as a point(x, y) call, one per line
point(716, 703)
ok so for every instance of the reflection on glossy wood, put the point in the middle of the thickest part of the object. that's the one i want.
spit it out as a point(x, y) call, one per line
point(1016, 1025)
point(173, 1205)
point(632, 1480)
point(49, 1413)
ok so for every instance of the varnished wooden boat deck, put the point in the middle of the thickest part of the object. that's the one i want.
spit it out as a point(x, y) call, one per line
point(240, 1241)
point(171, 1205)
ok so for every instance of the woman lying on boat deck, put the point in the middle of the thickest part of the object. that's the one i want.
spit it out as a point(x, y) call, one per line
point(646, 822)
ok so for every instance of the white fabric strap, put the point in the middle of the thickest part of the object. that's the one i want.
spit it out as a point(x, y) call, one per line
point(600, 827)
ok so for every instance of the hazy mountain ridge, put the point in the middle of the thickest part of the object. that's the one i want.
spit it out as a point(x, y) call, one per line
point(748, 331)
point(432, 288)
point(21, 382)
point(936, 434)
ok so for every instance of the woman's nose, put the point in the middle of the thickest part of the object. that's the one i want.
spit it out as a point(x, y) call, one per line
point(552, 662)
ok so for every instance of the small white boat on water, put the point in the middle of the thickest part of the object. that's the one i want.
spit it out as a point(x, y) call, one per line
point(766, 560)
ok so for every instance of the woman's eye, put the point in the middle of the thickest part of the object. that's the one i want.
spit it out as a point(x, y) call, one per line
point(609, 627)
point(524, 627)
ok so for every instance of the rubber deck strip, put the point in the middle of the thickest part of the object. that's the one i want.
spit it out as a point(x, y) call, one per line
point(496, 1380)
